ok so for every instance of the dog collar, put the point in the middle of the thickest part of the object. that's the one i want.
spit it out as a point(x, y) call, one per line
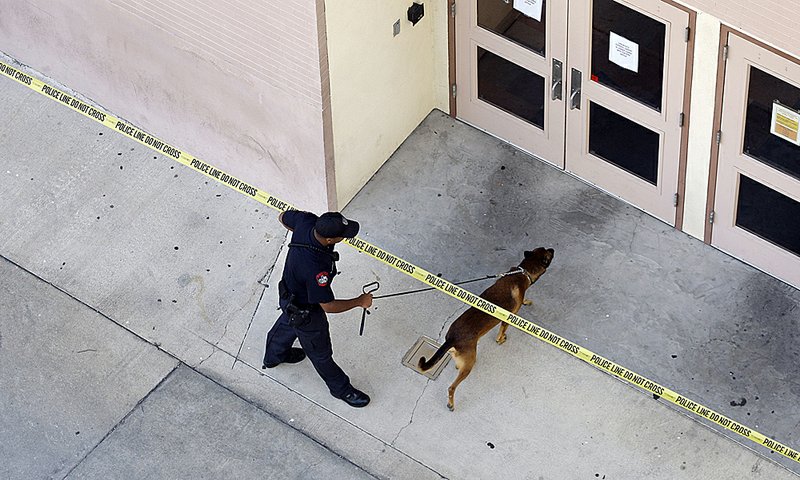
point(519, 270)
point(528, 275)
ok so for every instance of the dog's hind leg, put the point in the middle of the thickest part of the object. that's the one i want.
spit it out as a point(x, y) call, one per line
point(454, 355)
point(501, 335)
point(464, 362)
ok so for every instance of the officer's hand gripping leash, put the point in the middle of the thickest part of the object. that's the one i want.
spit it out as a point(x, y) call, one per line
point(368, 288)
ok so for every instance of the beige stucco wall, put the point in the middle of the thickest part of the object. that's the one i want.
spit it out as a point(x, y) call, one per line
point(382, 86)
point(701, 124)
point(237, 84)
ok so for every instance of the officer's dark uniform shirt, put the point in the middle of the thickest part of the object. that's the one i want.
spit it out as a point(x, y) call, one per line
point(308, 273)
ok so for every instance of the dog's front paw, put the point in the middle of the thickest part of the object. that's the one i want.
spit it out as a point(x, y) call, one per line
point(527, 302)
point(501, 339)
point(450, 406)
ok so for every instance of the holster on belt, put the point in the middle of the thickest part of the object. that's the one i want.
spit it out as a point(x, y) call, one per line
point(299, 314)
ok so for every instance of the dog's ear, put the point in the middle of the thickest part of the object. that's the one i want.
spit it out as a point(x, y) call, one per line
point(528, 254)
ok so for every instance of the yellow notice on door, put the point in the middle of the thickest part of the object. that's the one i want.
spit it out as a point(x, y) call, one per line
point(785, 123)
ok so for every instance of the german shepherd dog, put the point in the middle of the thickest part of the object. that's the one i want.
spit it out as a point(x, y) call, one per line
point(507, 292)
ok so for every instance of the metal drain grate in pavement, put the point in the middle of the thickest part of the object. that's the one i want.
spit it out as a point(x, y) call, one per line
point(425, 347)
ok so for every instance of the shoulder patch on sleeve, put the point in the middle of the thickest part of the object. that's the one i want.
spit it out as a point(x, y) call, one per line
point(322, 279)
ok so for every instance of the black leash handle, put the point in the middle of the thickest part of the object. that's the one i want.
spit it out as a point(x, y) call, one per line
point(368, 288)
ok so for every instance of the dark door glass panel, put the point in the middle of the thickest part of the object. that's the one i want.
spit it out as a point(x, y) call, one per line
point(510, 87)
point(768, 214)
point(501, 18)
point(646, 83)
point(623, 143)
point(759, 143)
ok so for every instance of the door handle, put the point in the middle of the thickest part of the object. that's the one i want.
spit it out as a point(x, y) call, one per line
point(575, 90)
point(555, 89)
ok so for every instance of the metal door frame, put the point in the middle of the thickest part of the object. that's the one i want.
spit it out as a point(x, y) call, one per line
point(778, 262)
point(466, 96)
point(664, 200)
point(455, 56)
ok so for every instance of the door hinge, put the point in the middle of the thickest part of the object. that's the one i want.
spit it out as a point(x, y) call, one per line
point(454, 90)
point(675, 200)
point(711, 217)
point(681, 119)
point(688, 34)
point(719, 137)
point(725, 53)
point(453, 9)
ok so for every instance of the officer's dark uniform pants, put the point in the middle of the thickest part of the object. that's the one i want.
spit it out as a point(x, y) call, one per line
point(315, 338)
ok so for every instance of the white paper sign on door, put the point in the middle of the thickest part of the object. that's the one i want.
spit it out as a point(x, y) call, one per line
point(531, 8)
point(785, 123)
point(623, 52)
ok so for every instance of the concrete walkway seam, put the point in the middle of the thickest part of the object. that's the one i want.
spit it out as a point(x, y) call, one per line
point(123, 419)
point(216, 382)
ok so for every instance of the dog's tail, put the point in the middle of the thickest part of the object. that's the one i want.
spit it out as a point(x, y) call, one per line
point(425, 365)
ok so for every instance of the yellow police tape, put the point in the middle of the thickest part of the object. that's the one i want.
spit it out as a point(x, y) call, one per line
point(414, 271)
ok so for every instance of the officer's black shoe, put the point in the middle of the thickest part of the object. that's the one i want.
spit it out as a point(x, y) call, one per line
point(295, 355)
point(356, 398)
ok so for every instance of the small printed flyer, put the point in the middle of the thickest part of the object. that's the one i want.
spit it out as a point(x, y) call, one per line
point(623, 52)
point(531, 8)
point(785, 123)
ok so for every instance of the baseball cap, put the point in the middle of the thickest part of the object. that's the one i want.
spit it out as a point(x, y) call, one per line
point(333, 225)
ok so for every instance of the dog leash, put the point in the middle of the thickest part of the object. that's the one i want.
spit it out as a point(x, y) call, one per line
point(373, 286)
point(487, 277)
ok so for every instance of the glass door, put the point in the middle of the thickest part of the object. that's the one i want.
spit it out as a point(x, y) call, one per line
point(757, 199)
point(509, 71)
point(625, 95)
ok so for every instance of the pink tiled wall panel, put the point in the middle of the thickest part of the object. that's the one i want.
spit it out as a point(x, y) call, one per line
point(773, 21)
point(275, 41)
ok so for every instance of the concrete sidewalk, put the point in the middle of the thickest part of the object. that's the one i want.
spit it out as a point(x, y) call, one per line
point(136, 295)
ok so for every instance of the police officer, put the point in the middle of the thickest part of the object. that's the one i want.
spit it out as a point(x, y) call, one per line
point(306, 297)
